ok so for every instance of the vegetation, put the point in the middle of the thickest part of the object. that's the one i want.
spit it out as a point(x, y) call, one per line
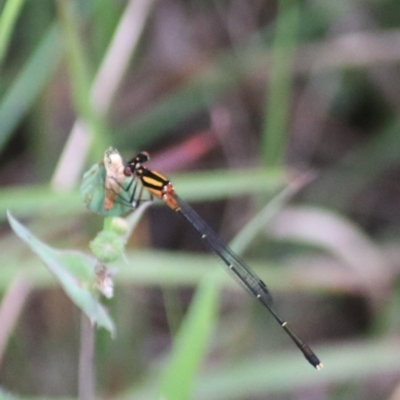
point(286, 115)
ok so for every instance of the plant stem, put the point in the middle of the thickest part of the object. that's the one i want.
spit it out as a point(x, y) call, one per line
point(86, 360)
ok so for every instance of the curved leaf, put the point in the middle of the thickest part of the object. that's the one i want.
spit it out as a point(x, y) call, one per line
point(75, 272)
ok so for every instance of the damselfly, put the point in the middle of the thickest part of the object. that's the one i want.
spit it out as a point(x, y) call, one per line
point(159, 186)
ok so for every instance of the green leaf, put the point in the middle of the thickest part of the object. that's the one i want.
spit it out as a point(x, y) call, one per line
point(94, 194)
point(75, 272)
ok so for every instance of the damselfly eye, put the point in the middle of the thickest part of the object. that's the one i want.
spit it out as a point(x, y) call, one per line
point(127, 171)
point(143, 157)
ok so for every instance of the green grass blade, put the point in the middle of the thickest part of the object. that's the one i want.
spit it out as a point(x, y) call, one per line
point(337, 186)
point(76, 61)
point(200, 186)
point(25, 200)
point(8, 17)
point(263, 375)
point(248, 233)
point(344, 363)
point(170, 269)
point(80, 77)
point(280, 82)
point(30, 82)
point(191, 342)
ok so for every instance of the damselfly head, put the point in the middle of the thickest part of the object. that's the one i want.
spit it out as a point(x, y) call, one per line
point(135, 163)
point(139, 159)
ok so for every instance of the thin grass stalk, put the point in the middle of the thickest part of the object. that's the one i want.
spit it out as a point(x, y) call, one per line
point(280, 83)
point(105, 85)
point(86, 374)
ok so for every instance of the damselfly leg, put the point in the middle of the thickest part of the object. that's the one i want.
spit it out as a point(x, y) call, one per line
point(118, 184)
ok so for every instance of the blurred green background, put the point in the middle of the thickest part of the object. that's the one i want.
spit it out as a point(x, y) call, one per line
point(237, 102)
